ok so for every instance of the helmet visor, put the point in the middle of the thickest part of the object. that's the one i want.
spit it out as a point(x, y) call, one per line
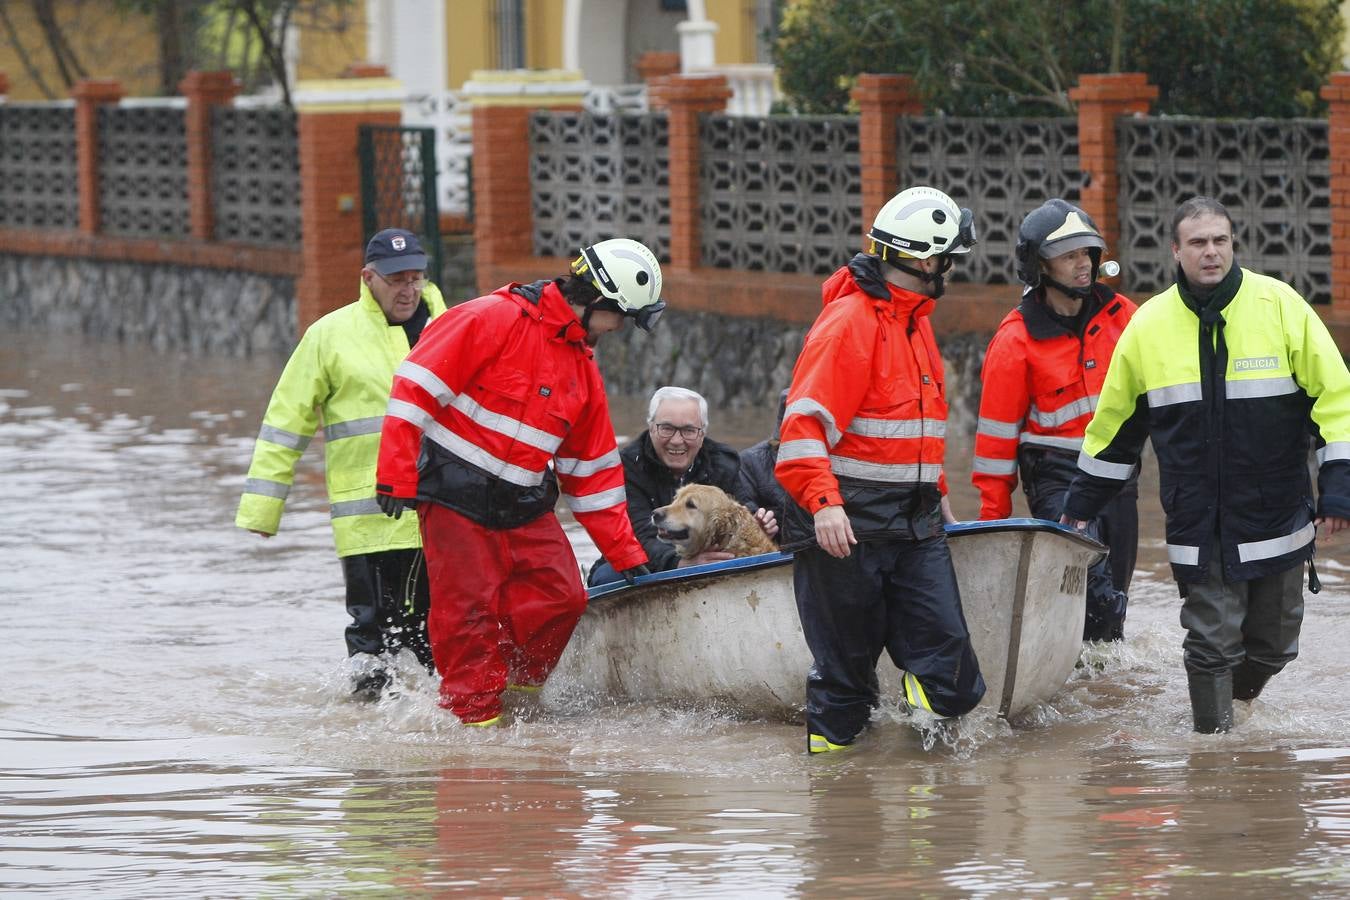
point(647, 317)
point(965, 235)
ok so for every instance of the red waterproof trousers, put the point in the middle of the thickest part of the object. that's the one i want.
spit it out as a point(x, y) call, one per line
point(503, 605)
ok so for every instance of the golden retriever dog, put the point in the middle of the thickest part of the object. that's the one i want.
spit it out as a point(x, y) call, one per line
point(703, 517)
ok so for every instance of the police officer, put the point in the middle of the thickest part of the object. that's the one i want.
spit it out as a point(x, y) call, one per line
point(340, 374)
point(1235, 379)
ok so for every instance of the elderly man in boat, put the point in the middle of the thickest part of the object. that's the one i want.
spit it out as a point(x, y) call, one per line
point(861, 459)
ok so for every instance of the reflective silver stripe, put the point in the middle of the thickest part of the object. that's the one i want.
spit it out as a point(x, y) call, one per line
point(266, 488)
point(410, 412)
point(505, 425)
point(902, 473)
point(475, 455)
point(426, 380)
point(995, 428)
point(808, 407)
point(1177, 393)
point(1183, 555)
point(1333, 450)
point(598, 501)
point(1047, 440)
point(1254, 550)
point(1066, 413)
point(275, 435)
point(352, 428)
point(1250, 388)
point(345, 508)
point(1102, 469)
point(807, 448)
point(898, 428)
point(987, 466)
point(566, 465)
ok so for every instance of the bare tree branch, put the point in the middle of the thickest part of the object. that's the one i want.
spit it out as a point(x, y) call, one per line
point(22, 52)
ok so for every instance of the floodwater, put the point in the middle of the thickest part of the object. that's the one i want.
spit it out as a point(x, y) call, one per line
point(174, 719)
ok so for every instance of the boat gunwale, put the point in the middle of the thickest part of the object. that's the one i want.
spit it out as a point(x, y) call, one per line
point(770, 560)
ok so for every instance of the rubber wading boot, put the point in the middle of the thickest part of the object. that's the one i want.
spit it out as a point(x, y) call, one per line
point(818, 743)
point(368, 687)
point(1211, 701)
point(1248, 682)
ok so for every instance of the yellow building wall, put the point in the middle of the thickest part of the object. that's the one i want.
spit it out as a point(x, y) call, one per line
point(735, 39)
point(543, 34)
point(107, 42)
point(468, 39)
point(330, 40)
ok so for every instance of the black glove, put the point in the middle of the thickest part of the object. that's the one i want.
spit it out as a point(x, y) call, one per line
point(631, 575)
point(394, 506)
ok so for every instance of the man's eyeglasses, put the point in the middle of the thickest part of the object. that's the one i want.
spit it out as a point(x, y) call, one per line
point(399, 284)
point(666, 430)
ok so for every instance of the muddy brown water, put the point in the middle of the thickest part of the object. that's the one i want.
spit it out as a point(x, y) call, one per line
point(174, 719)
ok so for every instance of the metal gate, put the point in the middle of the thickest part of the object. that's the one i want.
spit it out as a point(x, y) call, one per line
point(398, 185)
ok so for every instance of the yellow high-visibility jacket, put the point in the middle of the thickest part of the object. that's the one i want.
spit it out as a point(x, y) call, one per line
point(340, 374)
point(1233, 400)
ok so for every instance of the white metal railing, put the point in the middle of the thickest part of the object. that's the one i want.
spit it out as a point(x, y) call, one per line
point(451, 114)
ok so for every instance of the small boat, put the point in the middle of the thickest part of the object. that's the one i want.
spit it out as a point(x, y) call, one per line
point(727, 635)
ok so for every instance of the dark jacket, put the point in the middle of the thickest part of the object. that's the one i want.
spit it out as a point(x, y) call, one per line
point(758, 485)
point(650, 484)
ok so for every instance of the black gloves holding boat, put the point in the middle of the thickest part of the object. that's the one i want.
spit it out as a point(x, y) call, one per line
point(631, 575)
point(394, 506)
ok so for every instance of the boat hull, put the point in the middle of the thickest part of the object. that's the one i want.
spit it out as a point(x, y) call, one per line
point(727, 635)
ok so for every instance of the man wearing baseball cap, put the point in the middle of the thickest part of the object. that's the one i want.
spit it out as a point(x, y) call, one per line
point(340, 375)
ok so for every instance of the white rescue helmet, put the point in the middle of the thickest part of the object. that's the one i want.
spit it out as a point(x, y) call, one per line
point(626, 272)
point(921, 222)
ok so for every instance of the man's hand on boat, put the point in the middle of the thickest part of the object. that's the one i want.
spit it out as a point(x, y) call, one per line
point(1076, 524)
point(393, 507)
point(631, 575)
point(947, 515)
point(834, 533)
point(1329, 525)
point(768, 523)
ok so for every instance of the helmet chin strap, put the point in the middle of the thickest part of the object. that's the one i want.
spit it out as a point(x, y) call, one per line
point(1080, 293)
point(936, 279)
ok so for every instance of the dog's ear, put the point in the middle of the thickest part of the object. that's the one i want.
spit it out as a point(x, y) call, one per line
point(721, 526)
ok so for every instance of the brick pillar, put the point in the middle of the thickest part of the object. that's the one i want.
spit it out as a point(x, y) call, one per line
point(684, 98)
point(1101, 100)
point(503, 214)
point(332, 249)
point(203, 91)
point(881, 100)
point(657, 64)
point(89, 95)
point(1337, 94)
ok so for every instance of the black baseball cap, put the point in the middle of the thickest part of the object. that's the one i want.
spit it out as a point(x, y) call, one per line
point(395, 250)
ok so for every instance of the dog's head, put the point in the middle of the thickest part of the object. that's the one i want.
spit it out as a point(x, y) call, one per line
point(692, 520)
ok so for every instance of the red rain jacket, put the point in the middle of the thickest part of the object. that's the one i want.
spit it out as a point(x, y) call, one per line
point(867, 399)
point(495, 390)
point(1040, 388)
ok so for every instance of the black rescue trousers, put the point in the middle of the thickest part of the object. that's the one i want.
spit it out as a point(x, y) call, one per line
point(896, 595)
point(1046, 474)
point(1238, 634)
point(388, 598)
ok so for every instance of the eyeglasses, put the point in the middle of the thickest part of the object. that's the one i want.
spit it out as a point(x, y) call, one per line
point(414, 282)
point(667, 430)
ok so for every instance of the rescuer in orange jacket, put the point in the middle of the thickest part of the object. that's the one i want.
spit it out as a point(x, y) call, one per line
point(861, 455)
point(498, 409)
point(1042, 374)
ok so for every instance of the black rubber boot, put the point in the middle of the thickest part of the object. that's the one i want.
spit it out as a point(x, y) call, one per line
point(1248, 681)
point(1211, 701)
